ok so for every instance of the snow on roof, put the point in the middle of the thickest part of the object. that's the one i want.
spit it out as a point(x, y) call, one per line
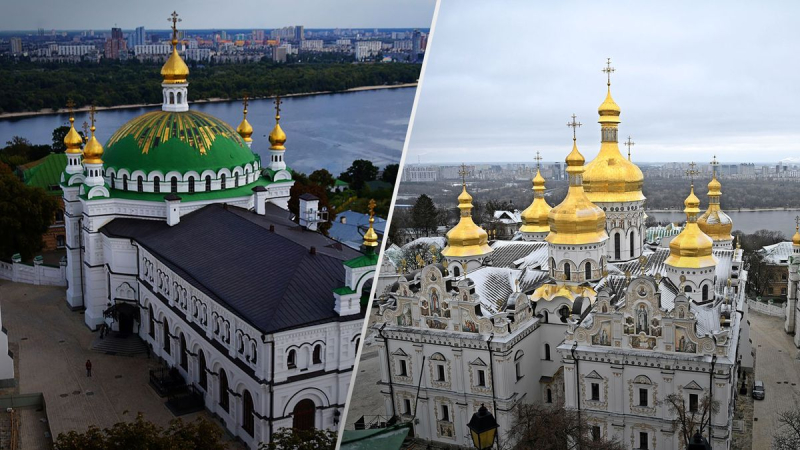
point(777, 253)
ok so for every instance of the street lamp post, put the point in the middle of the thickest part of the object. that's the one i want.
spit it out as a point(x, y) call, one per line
point(483, 428)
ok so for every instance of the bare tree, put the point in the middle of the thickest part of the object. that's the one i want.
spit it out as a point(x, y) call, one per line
point(788, 435)
point(691, 418)
point(543, 427)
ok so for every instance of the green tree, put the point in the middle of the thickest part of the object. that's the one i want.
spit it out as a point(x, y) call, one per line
point(323, 178)
point(359, 173)
point(290, 438)
point(389, 174)
point(25, 214)
point(424, 216)
point(58, 139)
point(144, 435)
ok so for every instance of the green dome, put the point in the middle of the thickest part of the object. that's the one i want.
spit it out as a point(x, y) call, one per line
point(180, 141)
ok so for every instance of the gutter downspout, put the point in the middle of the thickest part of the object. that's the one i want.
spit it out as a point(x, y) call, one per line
point(711, 392)
point(272, 388)
point(577, 387)
point(491, 367)
point(388, 367)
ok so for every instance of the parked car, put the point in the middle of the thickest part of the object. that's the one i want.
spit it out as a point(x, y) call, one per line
point(758, 390)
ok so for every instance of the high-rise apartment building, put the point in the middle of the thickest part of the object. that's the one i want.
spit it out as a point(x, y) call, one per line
point(16, 46)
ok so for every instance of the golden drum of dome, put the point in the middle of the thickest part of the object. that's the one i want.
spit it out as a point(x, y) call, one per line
point(610, 177)
point(466, 238)
point(175, 70)
point(73, 139)
point(691, 249)
point(535, 217)
point(93, 152)
point(548, 292)
point(714, 222)
point(576, 220)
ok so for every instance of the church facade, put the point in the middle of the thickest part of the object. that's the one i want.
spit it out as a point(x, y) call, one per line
point(177, 233)
point(574, 311)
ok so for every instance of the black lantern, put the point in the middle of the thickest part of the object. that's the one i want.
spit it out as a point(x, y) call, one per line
point(698, 442)
point(483, 428)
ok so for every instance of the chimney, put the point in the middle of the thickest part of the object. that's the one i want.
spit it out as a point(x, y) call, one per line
point(309, 211)
point(313, 250)
point(272, 228)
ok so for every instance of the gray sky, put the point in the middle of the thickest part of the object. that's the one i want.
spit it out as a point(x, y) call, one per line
point(692, 79)
point(201, 14)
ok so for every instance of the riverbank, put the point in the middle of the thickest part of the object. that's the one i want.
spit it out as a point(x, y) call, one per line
point(50, 111)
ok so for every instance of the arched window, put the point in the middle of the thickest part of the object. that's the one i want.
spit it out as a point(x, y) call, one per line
point(304, 413)
point(247, 412)
point(291, 359)
point(184, 356)
point(567, 274)
point(165, 329)
point(152, 329)
point(631, 244)
point(616, 245)
point(587, 271)
point(156, 184)
point(125, 182)
point(317, 354)
point(191, 185)
point(456, 271)
point(173, 185)
point(547, 352)
point(224, 398)
point(235, 180)
point(544, 316)
point(687, 289)
point(705, 292)
point(171, 98)
point(139, 184)
point(549, 396)
point(208, 182)
point(202, 376)
point(113, 184)
point(179, 98)
point(222, 181)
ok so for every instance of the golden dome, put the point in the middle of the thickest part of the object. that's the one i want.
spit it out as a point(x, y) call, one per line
point(611, 177)
point(93, 152)
point(534, 218)
point(796, 237)
point(714, 222)
point(244, 129)
point(371, 237)
point(73, 140)
point(576, 220)
point(466, 238)
point(691, 249)
point(277, 137)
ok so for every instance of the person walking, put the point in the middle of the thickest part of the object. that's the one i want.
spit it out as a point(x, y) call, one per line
point(88, 368)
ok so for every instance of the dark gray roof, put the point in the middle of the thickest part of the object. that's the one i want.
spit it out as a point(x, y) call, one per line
point(268, 278)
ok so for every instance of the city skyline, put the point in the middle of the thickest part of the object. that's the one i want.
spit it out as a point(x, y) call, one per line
point(206, 15)
point(686, 84)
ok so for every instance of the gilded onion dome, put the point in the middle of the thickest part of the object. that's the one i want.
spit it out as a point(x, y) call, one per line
point(535, 216)
point(610, 177)
point(244, 129)
point(371, 237)
point(73, 140)
point(277, 137)
point(691, 249)
point(175, 70)
point(714, 222)
point(466, 238)
point(796, 237)
point(93, 152)
point(576, 220)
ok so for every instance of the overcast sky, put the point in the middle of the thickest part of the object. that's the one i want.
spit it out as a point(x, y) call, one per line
point(204, 14)
point(692, 79)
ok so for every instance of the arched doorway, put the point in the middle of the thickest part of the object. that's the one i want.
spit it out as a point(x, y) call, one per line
point(224, 398)
point(304, 415)
point(202, 376)
point(248, 422)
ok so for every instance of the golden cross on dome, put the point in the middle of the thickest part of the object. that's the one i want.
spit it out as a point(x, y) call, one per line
point(574, 126)
point(629, 143)
point(797, 222)
point(174, 19)
point(608, 70)
point(463, 172)
point(538, 159)
point(91, 116)
point(278, 102)
point(70, 105)
point(691, 172)
point(372, 208)
point(714, 163)
point(85, 130)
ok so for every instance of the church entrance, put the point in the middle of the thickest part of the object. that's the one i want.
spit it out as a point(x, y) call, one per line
point(125, 324)
point(304, 415)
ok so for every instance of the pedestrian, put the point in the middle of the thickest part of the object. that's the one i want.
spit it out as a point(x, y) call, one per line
point(88, 368)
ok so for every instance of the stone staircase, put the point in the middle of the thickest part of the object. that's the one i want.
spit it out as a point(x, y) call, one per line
point(113, 344)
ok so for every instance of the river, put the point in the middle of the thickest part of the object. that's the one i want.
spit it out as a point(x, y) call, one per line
point(746, 221)
point(324, 131)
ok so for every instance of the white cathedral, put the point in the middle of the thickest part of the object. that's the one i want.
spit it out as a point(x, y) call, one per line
point(573, 311)
point(178, 234)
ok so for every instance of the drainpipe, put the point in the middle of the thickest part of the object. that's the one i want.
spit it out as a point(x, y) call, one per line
point(711, 391)
point(271, 387)
point(491, 368)
point(388, 366)
point(577, 387)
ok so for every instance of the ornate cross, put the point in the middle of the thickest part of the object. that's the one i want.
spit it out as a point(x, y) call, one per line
point(85, 130)
point(538, 160)
point(608, 70)
point(797, 222)
point(630, 144)
point(244, 103)
point(174, 19)
point(691, 172)
point(714, 163)
point(91, 116)
point(278, 102)
point(372, 207)
point(463, 172)
point(574, 126)
point(70, 105)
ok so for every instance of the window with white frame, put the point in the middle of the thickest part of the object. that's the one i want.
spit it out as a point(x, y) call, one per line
point(518, 364)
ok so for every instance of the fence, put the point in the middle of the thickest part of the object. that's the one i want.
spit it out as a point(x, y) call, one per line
point(766, 308)
point(37, 273)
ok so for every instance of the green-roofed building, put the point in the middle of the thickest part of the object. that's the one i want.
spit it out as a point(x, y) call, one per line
point(45, 173)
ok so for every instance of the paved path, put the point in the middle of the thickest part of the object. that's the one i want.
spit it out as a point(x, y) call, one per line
point(53, 346)
point(777, 365)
